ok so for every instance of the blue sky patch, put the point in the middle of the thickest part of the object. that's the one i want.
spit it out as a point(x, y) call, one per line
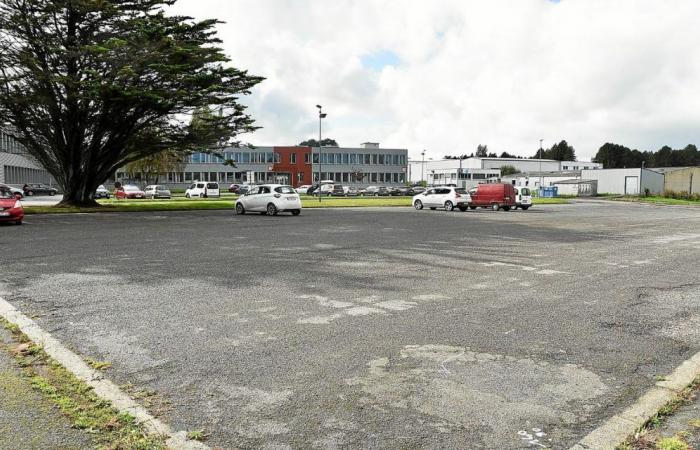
point(379, 60)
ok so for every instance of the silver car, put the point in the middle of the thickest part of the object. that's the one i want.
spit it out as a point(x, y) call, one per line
point(157, 191)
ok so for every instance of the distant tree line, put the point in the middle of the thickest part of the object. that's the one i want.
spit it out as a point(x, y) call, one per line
point(561, 152)
point(614, 156)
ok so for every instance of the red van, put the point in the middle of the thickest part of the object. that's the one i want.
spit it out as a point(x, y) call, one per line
point(495, 196)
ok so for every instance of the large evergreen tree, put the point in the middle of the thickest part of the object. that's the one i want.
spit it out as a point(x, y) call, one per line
point(89, 86)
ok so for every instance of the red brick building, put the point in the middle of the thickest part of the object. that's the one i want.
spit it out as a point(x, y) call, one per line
point(294, 165)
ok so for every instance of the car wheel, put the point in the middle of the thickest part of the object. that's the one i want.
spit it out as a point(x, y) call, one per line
point(296, 212)
point(418, 205)
point(462, 208)
point(433, 209)
point(506, 208)
point(449, 206)
point(524, 208)
point(495, 207)
point(240, 209)
point(187, 195)
point(376, 195)
point(19, 222)
point(272, 209)
point(515, 207)
point(52, 193)
point(472, 207)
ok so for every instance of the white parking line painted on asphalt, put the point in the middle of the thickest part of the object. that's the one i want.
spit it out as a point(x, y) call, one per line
point(102, 387)
point(620, 426)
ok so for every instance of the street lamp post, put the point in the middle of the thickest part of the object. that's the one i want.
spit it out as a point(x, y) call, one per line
point(321, 116)
point(422, 167)
point(541, 177)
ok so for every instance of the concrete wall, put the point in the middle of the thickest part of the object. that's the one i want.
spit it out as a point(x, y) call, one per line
point(680, 180)
point(625, 181)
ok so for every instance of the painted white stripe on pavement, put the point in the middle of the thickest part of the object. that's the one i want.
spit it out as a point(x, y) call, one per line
point(103, 387)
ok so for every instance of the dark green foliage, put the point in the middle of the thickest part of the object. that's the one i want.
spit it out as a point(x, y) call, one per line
point(324, 143)
point(508, 170)
point(617, 156)
point(560, 152)
point(89, 86)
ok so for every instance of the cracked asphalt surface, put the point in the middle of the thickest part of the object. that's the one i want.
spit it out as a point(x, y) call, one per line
point(372, 328)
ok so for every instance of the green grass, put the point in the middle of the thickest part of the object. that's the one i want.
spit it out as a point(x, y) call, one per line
point(78, 402)
point(228, 202)
point(659, 200)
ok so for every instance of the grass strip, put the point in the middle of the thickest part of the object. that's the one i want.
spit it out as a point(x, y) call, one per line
point(182, 204)
point(658, 200)
point(77, 401)
point(645, 436)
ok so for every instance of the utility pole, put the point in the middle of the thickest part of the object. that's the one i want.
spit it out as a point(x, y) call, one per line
point(321, 116)
point(541, 177)
point(422, 168)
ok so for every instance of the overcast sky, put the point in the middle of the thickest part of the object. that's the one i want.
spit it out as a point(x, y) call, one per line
point(447, 75)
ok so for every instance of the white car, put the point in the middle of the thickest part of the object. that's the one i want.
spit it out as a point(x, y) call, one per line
point(203, 189)
point(269, 199)
point(442, 197)
point(303, 189)
point(523, 198)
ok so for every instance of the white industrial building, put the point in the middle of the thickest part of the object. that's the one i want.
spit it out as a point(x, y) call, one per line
point(471, 171)
point(626, 181)
point(534, 180)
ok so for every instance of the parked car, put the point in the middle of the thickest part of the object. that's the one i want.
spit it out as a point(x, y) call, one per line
point(203, 189)
point(352, 191)
point(399, 191)
point(442, 197)
point(129, 191)
point(242, 189)
point(157, 191)
point(495, 196)
point(19, 193)
point(371, 191)
point(415, 190)
point(38, 189)
point(325, 189)
point(234, 188)
point(383, 191)
point(10, 207)
point(101, 192)
point(269, 199)
point(338, 190)
point(523, 198)
point(303, 190)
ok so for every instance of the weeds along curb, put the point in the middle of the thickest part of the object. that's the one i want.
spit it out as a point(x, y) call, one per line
point(662, 399)
point(41, 345)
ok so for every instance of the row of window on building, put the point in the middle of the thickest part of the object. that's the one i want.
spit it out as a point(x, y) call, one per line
point(242, 177)
point(9, 145)
point(276, 158)
point(365, 178)
point(22, 175)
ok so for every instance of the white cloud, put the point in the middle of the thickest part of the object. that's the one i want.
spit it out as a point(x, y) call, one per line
point(498, 72)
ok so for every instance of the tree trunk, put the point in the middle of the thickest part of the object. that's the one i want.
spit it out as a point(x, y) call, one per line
point(79, 191)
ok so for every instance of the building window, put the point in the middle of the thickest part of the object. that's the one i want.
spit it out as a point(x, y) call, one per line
point(346, 158)
point(307, 158)
point(315, 158)
point(300, 177)
point(352, 158)
point(374, 159)
point(374, 177)
point(396, 160)
point(292, 158)
point(346, 177)
point(381, 159)
point(278, 158)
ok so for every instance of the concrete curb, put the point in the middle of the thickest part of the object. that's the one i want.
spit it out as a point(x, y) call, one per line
point(103, 387)
point(620, 426)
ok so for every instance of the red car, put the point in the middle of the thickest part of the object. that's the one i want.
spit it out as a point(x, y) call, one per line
point(495, 196)
point(129, 191)
point(10, 207)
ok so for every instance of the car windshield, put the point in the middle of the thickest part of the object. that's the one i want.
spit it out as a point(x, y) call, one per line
point(101, 187)
point(131, 188)
point(6, 193)
point(524, 191)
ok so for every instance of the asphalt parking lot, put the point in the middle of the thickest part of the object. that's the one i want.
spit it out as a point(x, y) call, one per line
point(372, 328)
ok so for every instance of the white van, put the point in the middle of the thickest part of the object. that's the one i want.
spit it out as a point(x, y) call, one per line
point(523, 198)
point(203, 189)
